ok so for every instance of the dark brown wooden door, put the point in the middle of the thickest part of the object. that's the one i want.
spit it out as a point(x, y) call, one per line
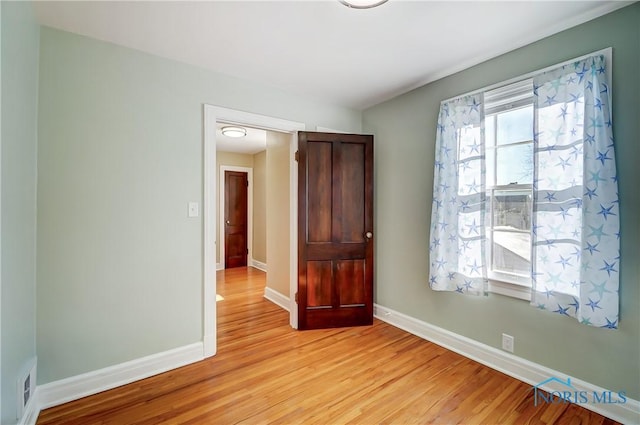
point(335, 213)
point(235, 216)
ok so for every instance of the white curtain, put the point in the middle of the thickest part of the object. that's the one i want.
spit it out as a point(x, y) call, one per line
point(457, 244)
point(575, 218)
point(576, 228)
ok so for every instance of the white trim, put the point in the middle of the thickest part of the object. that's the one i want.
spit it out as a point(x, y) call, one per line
point(514, 366)
point(293, 232)
point(510, 289)
point(76, 387)
point(219, 266)
point(259, 265)
point(223, 247)
point(607, 52)
point(209, 238)
point(331, 130)
point(232, 116)
point(277, 298)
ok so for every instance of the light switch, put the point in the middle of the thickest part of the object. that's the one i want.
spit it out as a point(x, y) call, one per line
point(194, 211)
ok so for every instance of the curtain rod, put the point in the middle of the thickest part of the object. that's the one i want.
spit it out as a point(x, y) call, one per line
point(607, 52)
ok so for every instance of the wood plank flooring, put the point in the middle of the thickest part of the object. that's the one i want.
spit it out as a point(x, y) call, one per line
point(265, 372)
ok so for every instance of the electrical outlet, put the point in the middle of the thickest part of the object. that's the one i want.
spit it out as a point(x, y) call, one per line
point(507, 343)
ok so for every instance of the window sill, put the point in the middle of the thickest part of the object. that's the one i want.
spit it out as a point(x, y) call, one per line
point(510, 290)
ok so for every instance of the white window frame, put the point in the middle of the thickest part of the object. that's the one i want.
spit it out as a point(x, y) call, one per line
point(506, 288)
point(500, 100)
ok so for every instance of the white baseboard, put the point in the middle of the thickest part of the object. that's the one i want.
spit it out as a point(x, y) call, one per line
point(514, 366)
point(258, 265)
point(75, 387)
point(252, 263)
point(277, 298)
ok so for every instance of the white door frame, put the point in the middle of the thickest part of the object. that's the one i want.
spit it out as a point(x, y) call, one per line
point(213, 114)
point(222, 227)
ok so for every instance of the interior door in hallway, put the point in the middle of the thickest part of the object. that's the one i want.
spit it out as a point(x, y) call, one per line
point(235, 218)
point(335, 230)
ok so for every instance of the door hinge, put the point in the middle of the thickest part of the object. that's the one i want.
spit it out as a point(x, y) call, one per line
point(247, 251)
point(297, 156)
point(295, 297)
point(247, 183)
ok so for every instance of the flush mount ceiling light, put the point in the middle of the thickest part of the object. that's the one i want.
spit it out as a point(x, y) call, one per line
point(232, 131)
point(362, 4)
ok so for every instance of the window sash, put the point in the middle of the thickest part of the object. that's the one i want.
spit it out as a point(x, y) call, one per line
point(502, 275)
point(497, 101)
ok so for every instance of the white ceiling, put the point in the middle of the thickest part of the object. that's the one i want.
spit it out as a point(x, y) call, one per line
point(322, 49)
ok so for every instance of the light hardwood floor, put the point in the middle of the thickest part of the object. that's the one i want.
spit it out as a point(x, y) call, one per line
point(265, 372)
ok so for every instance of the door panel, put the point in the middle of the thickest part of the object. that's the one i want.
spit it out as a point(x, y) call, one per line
point(319, 284)
point(351, 189)
point(335, 250)
point(235, 207)
point(319, 192)
point(350, 281)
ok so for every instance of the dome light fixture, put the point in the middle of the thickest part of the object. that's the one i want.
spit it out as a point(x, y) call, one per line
point(232, 131)
point(362, 4)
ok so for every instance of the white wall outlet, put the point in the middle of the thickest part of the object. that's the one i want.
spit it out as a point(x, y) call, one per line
point(507, 343)
point(193, 210)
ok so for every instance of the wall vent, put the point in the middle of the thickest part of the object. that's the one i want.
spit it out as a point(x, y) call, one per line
point(26, 387)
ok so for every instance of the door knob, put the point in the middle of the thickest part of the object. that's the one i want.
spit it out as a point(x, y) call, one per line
point(368, 235)
point(228, 222)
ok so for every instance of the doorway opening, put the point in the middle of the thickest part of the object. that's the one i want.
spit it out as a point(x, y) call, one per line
point(284, 134)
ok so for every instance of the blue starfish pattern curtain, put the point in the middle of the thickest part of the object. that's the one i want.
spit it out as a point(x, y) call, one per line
point(575, 226)
point(575, 229)
point(457, 245)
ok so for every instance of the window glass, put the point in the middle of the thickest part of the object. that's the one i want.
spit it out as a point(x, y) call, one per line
point(511, 253)
point(514, 164)
point(512, 210)
point(515, 126)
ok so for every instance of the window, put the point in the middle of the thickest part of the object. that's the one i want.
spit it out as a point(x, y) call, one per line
point(525, 193)
point(509, 176)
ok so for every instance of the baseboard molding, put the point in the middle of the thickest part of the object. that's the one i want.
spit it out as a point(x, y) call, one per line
point(258, 265)
point(75, 387)
point(277, 298)
point(514, 366)
point(32, 410)
point(252, 263)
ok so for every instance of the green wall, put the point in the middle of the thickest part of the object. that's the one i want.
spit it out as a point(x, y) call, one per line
point(20, 38)
point(120, 155)
point(405, 129)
